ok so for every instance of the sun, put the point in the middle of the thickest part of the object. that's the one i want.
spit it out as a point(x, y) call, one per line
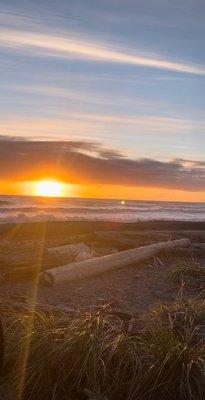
point(49, 188)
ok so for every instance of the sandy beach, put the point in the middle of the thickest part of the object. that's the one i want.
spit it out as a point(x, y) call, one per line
point(135, 288)
point(144, 301)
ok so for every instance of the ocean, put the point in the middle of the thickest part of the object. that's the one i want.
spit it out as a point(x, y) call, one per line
point(26, 209)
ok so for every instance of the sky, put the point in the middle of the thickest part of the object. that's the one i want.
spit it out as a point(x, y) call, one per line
point(106, 96)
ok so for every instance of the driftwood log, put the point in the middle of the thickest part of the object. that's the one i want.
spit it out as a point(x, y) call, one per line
point(71, 252)
point(95, 266)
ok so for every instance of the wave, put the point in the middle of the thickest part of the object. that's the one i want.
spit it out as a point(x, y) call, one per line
point(26, 209)
point(4, 203)
point(122, 209)
point(127, 217)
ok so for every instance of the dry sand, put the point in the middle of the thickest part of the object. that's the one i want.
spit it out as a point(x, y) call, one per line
point(132, 289)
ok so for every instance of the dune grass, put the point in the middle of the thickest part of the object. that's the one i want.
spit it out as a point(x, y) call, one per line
point(189, 272)
point(95, 356)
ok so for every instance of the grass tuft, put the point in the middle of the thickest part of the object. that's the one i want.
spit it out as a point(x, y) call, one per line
point(189, 272)
point(92, 356)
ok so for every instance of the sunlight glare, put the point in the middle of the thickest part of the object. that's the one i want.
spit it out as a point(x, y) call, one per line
point(49, 188)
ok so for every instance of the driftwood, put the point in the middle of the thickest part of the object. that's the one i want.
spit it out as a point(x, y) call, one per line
point(74, 271)
point(71, 252)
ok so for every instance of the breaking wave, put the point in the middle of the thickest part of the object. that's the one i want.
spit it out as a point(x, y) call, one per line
point(24, 209)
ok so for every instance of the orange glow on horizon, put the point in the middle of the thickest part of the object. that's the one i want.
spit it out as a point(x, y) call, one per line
point(139, 193)
point(31, 188)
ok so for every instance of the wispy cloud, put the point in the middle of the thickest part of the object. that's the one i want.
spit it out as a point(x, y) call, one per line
point(84, 96)
point(77, 48)
point(93, 125)
point(151, 122)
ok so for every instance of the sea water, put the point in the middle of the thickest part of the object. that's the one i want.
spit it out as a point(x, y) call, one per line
point(26, 209)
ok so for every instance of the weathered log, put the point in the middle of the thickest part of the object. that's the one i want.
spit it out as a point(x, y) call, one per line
point(74, 271)
point(71, 252)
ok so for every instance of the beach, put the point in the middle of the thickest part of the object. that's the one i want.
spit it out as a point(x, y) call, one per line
point(20, 244)
point(136, 302)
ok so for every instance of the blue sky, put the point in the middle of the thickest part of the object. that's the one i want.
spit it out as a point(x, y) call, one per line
point(127, 74)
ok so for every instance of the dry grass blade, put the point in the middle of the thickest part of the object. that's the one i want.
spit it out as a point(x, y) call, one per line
point(189, 272)
point(91, 356)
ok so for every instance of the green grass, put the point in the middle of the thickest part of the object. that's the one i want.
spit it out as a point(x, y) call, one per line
point(94, 356)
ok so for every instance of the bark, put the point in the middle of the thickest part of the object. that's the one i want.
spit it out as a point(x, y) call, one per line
point(98, 265)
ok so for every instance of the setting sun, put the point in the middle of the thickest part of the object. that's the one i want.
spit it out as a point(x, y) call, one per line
point(49, 188)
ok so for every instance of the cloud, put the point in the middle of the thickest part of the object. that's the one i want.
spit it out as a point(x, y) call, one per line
point(78, 48)
point(83, 96)
point(64, 123)
point(191, 163)
point(148, 122)
point(85, 162)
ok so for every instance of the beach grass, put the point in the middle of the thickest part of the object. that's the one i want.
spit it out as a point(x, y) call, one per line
point(96, 356)
point(190, 272)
